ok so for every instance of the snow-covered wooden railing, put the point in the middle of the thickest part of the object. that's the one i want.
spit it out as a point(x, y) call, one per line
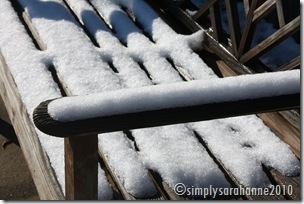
point(80, 118)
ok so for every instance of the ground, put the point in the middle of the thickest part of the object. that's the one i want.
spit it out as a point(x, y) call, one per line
point(15, 180)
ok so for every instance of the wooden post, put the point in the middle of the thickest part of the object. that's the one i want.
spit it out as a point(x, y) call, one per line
point(81, 164)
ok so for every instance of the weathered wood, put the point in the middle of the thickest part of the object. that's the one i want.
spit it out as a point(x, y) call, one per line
point(246, 6)
point(283, 130)
point(216, 22)
point(272, 40)
point(37, 160)
point(280, 12)
point(26, 21)
point(234, 182)
point(234, 24)
point(116, 180)
point(203, 11)
point(263, 10)
point(3, 112)
point(194, 25)
point(166, 191)
point(248, 32)
point(33, 31)
point(293, 117)
point(122, 190)
point(293, 182)
point(81, 165)
point(255, 12)
point(295, 63)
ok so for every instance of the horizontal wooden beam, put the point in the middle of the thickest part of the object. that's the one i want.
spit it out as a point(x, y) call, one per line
point(166, 116)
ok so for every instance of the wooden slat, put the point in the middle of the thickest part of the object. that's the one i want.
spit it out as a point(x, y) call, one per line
point(216, 22)
point(286, 132)
point(81, 167)
point(37, 160)
point(263, 10)
point(25, 20)
point(166, 191)
point(293, 117)
point(203, 11)
point(246, 6)
point(234, 24)
point(34, 32)
point(248, 31)
point(115, 178)
point(3, 112)
point(280, 12)
point(290, 65)
point(293, 182)
point(272, 40)
point(234, 182)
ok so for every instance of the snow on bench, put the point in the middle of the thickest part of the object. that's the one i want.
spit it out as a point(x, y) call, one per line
point(168, 103)
point(117, 54)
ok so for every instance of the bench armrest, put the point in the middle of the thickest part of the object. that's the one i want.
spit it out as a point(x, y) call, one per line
point(169, 104)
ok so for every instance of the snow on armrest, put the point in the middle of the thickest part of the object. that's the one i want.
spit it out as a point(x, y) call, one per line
point(169, 104)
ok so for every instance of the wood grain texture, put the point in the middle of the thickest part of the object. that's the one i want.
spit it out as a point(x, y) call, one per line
point(234, 24)
point(81, 167)
point(291, 182)
point(37, 160)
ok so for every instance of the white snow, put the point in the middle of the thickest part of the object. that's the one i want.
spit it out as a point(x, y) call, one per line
point(172, 151)
point(175, 95)
point(244, 148)
point(127, 164)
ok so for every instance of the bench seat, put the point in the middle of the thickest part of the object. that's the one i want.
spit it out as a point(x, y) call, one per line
point(53, 49)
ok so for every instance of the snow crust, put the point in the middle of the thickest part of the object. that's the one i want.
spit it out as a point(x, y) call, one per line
point(172, 151)
point(175, 95)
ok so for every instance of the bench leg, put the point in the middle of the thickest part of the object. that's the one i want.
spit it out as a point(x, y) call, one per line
point(81, 167)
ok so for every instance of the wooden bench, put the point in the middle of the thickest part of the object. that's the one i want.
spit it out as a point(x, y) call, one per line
point(105, 42)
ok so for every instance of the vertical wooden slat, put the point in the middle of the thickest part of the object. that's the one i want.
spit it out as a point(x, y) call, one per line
point(81, 164)
point(216, 22)
point(280, 13)
point(202, 11)
point(234, 24)
point(248, 31)
point(246, 6)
